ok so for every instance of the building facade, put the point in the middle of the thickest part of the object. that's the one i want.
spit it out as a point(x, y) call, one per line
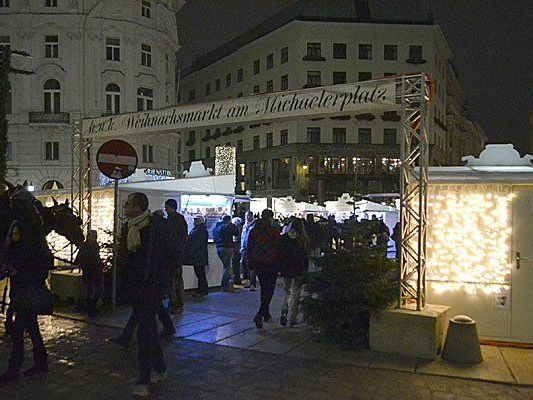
point(90, 58)
point(464, 136)
point(312, 44)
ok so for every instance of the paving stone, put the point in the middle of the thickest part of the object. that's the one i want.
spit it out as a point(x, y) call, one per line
point(222, 332)
point(202, 326)
point(520, 361)
point(393, 362)
point(360, 358)
point(274, 345)
point(493, 368)
point(311, 350)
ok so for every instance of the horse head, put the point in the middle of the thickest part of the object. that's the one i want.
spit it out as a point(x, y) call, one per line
point(61, 218)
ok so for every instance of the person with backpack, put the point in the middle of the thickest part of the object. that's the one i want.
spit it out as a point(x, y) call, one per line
point(263, 257)
point(294, 247)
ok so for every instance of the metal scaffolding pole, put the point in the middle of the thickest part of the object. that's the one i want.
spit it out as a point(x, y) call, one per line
point(414, 96)
point(81, 178)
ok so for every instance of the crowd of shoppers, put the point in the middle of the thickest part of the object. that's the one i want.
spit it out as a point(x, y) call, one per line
point(152, 250)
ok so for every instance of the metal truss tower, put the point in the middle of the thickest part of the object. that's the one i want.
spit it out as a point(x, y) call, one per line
point(414, 97)
point(81, 178)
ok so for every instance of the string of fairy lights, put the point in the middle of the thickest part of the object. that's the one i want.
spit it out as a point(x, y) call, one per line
point(469, 237)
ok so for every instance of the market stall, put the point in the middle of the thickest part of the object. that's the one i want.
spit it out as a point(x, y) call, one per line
point(200, 193)
point(480, 257)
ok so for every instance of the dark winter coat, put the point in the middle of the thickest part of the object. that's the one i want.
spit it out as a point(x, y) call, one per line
point(32, 268)
point(146, 271)
point(196, 253)
point(315, 233)
point(89, 260)
point(293, 261)
point(177, 236)
point(223, 234)
point(263, 248)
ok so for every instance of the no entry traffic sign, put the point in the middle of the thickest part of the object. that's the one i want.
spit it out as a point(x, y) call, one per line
point(116, 159)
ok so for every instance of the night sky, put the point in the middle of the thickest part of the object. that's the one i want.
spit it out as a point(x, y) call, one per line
point(491, 41)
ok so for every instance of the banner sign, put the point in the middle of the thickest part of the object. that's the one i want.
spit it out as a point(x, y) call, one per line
point(307, 103)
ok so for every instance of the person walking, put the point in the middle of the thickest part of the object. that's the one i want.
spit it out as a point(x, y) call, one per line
point(315, 234)
point(91, 265)
point(28, 272)
point(197, 254)
point(134, 275)
point(236, 255)
point(294, 248)
point(263, 257)
point(223, 233)
point(249, 222)
point(143, 239)
point(177, 237)
point(397, 237)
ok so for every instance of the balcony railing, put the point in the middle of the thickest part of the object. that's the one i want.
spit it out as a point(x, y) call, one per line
point(41, 117)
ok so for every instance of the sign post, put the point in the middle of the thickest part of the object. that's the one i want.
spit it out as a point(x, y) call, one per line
point(117, 160)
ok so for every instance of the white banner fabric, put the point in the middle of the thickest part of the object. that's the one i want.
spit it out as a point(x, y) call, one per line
point(307, 103)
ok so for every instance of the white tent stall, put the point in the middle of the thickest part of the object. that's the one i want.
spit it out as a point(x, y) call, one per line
point(480, 230)
point(209, 195)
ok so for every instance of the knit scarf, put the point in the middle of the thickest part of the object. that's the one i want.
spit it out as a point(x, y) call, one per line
point(134, 227)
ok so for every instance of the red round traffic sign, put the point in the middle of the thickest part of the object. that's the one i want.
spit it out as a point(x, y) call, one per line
point(116, 159)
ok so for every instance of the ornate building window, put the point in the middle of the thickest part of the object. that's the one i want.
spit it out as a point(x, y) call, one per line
point(51, 47)
point(146, 55)
point(146, 9)
point(145, 99)
point(112, 99)
point(112, 49)
point(51, 151)
point(52, 96)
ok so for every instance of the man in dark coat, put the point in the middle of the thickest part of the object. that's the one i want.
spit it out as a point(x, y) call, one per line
point(263, 256)
point(177, 237)
point(142, 241)
point(197, 253)
point(315, 233)
point(223, 236)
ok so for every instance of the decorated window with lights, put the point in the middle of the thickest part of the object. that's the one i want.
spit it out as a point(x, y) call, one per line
point(469, 237)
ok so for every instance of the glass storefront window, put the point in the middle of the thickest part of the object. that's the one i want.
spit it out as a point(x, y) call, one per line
point(390, 165)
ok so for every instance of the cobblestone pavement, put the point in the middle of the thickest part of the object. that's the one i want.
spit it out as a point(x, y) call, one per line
point(84, 366)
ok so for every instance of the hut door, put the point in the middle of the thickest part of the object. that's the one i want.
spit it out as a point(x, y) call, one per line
point(522, 261)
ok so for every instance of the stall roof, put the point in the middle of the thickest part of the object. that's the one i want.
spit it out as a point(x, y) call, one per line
point(214, 184)
point(482, 174)
point(369, 206)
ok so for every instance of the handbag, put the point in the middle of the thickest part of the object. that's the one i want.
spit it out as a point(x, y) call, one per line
point(37, 300)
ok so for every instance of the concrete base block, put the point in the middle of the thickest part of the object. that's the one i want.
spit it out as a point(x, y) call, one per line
point(409, 332)
point(67, 285)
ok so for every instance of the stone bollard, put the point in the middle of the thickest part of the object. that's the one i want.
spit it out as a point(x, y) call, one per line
point(462, 341)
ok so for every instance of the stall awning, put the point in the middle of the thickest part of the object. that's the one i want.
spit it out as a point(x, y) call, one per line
point(215, 184)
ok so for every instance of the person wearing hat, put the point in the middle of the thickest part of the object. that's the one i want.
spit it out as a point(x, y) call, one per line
point(196, 253)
